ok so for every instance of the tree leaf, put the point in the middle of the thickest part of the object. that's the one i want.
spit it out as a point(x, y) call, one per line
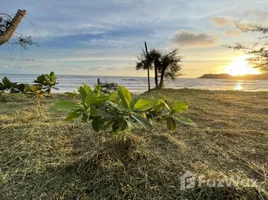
point(84, 91)
point(65, 105)
point(184, 120)
point(171, 125)
point(179, 107)
point(160, 104)
point(97, 123)
point(104, 114)
point(87, 89)
point(98, 88)
point(114, 97)
point(7, 82)
point(94, 112)
point(89, 100)
point(144, 105)
point(141, 120)
point(99, 101)
point(125, 96)
point(72, 116)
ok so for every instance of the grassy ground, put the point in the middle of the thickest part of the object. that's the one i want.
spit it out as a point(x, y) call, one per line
point(51, 159)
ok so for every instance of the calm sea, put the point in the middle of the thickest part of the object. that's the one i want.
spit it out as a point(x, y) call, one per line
point(139, 84)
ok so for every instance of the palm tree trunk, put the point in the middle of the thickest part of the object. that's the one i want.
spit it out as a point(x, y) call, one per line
point(155, 76)
point(148, 70)
point(161, 85)
point(15, 23)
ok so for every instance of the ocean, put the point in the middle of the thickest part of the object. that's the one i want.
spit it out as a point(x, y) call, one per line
point(69, 83)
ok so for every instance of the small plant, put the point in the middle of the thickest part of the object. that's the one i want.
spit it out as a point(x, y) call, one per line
point(42, 87)
point(11, 87)
point(119, 112)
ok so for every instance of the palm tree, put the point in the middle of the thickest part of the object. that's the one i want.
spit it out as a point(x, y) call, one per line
point(148, 62)
point(155, 57)
point(169, 66)
point(145, 64)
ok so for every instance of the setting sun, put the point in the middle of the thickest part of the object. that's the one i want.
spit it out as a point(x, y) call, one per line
point(240, 67)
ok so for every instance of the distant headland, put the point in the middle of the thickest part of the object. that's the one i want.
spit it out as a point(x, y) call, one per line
point(244, 77)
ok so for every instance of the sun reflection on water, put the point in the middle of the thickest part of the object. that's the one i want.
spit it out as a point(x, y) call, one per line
point(238, 86)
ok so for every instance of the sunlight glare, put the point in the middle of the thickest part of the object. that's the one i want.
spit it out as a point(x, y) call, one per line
point(240, 67)
point(238, 86)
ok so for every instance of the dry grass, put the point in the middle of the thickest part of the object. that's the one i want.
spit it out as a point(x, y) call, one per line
point(51, 159)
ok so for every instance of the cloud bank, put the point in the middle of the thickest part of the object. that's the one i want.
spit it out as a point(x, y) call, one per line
point(222, 21)
point(191, 39)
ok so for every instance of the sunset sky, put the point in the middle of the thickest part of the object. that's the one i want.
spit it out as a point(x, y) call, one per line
point(104, 37)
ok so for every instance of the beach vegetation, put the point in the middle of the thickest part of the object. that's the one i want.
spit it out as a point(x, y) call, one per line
point(120, 112)
point(41, 87)
point(47, 158)
point(7, 86)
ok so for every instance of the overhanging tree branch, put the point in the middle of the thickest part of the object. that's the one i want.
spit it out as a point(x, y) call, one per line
point(11, 29)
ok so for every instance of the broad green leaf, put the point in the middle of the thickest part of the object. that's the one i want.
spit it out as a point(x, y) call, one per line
point(171, 125)
point(114, 97)
point(89, 100)
point(115, 105)
point(65, 105)
point(141, 120)
point(87, 89)
point(94, 111)
point(2, 87)
point(144, 105)
point(97, 88)
point(52, 74)
point(184, 120)
point(72, 116)
point(159, 105)
point(7, 82)
point(82, 92)
point(99, 101)
point(179, 107)
point(97, 123)
point(125, 96)
point(104, 114)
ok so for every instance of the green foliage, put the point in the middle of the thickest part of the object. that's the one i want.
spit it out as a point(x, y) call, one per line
point(12, 87)
point(118, 112)
point(42, 87)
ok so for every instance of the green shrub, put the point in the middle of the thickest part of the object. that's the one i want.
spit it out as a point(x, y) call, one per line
point(12, 87)
point(119, 112)
point(42, 87)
